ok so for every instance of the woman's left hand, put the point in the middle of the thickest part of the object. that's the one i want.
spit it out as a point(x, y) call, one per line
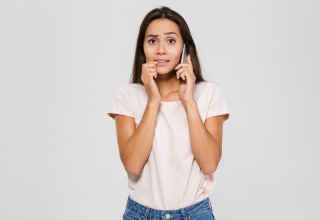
point(186, 89)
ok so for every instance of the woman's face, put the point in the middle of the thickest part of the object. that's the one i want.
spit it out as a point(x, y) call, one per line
point(163, 43)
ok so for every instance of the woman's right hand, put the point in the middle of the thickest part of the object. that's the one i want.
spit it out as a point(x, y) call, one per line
point(149, 72)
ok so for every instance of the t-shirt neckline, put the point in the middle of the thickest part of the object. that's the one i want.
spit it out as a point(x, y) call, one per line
point(170, 104)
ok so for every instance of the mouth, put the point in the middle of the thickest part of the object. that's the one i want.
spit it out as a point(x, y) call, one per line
point(162, 61)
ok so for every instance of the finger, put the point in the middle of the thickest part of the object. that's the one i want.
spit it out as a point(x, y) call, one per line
point(151, 69)
point(189, 59)
point(152, 74)
point(187, 74)
point(183, 76)
point(178, 73)
point(149, 77)
point(179, 76)
point(181, 70)
point(179, 66)
point(190, 63)
point(150, 64)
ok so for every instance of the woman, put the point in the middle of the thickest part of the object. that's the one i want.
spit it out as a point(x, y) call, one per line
point(169, 124)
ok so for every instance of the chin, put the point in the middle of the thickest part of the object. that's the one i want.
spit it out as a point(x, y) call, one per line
point(165, 70)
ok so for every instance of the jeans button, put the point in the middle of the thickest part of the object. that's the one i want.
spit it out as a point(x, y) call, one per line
point(168, 216)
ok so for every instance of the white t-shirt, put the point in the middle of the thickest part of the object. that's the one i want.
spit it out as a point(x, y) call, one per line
point(171, 178)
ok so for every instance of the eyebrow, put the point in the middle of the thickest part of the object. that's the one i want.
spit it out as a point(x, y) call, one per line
point(155, 35)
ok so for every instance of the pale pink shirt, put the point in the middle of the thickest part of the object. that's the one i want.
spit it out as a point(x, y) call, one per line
point(171, 177)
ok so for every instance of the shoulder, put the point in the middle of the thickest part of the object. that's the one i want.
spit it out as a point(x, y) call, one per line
point(129, 89)
point(211, 85)
point(207, 87)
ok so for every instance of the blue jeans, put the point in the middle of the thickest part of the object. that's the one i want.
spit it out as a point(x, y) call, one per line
point(199, 211)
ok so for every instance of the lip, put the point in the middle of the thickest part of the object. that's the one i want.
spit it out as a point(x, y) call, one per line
point(162, 62)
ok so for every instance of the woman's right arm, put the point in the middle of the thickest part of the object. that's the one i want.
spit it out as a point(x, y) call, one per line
point(135, 143)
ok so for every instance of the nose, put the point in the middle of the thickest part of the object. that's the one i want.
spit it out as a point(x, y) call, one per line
point(161, 48)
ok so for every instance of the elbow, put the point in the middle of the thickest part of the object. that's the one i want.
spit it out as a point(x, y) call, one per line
point(130, 167)
point(209, 170)
point(133, 170)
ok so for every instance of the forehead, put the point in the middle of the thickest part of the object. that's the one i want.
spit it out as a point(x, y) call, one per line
point(159, 26)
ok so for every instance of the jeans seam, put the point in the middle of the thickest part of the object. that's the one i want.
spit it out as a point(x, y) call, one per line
point(199, 212)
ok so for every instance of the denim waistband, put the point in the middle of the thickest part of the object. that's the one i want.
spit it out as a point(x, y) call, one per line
point(191, 210)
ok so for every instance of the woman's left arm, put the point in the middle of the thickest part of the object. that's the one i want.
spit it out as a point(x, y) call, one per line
point(206, 139)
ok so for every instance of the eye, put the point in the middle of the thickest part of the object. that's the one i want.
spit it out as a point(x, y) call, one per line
point(171, 41)
point(152, 41)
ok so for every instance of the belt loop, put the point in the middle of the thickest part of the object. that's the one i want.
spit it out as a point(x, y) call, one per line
point(183, 213)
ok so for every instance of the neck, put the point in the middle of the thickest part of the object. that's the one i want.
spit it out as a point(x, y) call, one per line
point(167, 83)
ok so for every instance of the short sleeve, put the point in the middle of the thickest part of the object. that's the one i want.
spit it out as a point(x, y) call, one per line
point(217, 104)
point(121, 104)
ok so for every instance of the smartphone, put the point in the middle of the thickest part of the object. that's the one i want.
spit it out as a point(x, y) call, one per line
point(184, 55)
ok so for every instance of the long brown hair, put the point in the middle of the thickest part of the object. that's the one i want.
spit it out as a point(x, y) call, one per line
point(165, 12)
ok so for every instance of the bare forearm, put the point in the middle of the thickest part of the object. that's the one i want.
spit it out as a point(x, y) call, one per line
point(138, 148)
point(205, 148)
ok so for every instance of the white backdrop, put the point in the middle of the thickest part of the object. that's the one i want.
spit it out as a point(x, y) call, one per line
point(62, 61)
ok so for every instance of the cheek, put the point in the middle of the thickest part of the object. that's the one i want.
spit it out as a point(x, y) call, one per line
point(148, 53)
point(176, 56)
